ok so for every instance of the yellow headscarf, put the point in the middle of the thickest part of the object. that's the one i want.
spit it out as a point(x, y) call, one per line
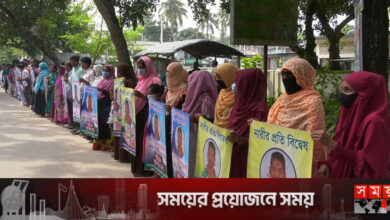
point(225, 101)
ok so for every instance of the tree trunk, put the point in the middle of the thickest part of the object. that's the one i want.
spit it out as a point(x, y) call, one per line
point(309, 52)
point(173, 33)
point(334, 36)
point(207, 28)
point(375, 37)
point(26, 34)
point(334, 53)
point(107, 10)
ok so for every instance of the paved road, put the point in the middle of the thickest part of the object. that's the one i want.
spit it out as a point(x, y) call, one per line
point(33, 147)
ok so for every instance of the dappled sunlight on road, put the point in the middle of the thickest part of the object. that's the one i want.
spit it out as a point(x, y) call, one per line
point(34, 147)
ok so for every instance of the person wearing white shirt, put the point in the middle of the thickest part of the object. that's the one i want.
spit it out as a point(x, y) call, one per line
point(88, 76)
point(18, 82)
point(67, 86)
point(98, 71)
point(26, 83)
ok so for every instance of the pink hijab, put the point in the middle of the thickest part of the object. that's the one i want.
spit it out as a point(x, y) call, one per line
point(59, 80)
point(362, 133)
point(107, 84)
point(144, 82)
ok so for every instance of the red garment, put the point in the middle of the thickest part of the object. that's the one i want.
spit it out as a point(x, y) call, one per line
point(362, 133)
point(249, 104)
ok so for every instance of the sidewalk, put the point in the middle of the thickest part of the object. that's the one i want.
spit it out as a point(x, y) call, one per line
point(34, 147)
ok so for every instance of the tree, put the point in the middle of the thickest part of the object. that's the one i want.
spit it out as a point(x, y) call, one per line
point(29, 26)
point(224, 22)
point(210, 24)
point(152, 31)
point(347, 29)
point(173, 11)
point(93, 42)
point(327, 12)
point(200, 10)
point(131, 12)
point(375, 37)
point(306, 43)
point(190, 33)
point(132, 36)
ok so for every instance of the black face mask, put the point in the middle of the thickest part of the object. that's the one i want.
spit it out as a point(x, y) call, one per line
point(347, 100)
point(291, 85)
point(221, 84)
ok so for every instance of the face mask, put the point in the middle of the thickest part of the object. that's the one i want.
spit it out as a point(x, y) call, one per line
point(291, 85)
point(234, 88)
point(221, 84)
point(106, 75)
point(142, 72)
point(347, 100)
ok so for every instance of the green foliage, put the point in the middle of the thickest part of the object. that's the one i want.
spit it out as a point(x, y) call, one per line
point(200, 8)
point(346, 29)
point(79, 20)
point(271, 101)
point(190, 33)
point(131, 37)
point(9, 54)
point(252, 62)
point(91, 41)
point(209, 25)
point(46, 19)
point(152, 31)
point(173, 12)
point(328, 84)
point(224, 23)
point(132, 12)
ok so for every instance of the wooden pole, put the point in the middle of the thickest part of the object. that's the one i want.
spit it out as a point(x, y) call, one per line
point(265, 67)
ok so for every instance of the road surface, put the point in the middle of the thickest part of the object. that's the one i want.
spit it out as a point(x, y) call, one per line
point(34, 147)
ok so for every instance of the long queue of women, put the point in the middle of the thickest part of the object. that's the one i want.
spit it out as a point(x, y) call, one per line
point(230, 98)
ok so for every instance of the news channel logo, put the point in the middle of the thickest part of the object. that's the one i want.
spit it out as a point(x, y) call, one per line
point(372, 199)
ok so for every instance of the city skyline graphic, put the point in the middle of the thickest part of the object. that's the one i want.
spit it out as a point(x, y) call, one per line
point(14, 204)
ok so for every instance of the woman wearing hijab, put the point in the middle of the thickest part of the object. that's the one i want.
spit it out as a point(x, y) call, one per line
point(202, 95)
point(300, 107)
point(177, 81)
point(39, 90)
point(105, 86)
point(201, 99)
point(224, 76)
point(147, 76)
point(59, 102)
point(250, 104)
point(50, 86)
point(360, 147)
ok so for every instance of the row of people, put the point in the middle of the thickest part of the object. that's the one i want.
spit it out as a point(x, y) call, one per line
point(360, 147)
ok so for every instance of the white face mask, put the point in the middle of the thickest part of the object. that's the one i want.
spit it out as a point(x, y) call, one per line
point(234, 88)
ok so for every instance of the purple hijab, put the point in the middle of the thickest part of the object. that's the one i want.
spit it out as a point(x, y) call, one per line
point(202, 93)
